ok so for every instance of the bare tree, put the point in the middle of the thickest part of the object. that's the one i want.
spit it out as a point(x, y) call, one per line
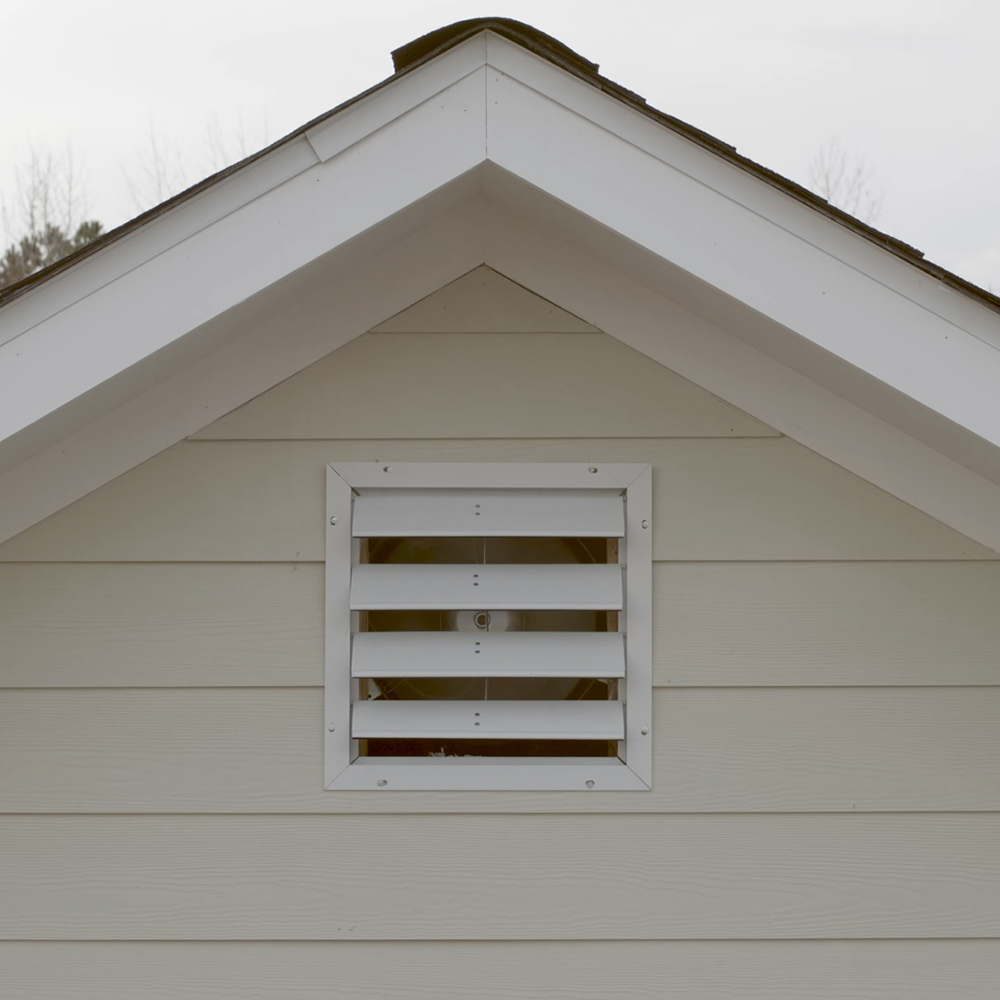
point(845, 181)
point(225, 147)
point(159, 173)
point(162, 171)
point(45, 220)
point(47, 192)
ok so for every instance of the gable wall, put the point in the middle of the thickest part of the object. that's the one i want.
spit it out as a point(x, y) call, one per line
point(827, 713)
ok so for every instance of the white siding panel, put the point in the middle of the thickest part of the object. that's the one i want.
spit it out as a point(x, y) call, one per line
point(485, 386)
point(505, 970)
point(742, 624)
point(864, 623)
point(484, 301)
point(499, 877)
point(729, 500)
point(162, 625)
point(715, 750)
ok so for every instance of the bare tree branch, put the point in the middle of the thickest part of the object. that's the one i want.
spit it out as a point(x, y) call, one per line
point(845, 181)
point(48, 191)
point(162, 171)
point(45, 221)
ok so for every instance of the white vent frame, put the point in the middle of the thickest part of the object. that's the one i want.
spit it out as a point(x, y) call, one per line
point(344, 768)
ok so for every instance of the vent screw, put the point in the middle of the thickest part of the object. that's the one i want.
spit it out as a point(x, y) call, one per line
point(381, 782)
point(589, 784)
point(331, 727)
point(644, 730)
point(333, 520)
point(645, 524)
point(387, 468)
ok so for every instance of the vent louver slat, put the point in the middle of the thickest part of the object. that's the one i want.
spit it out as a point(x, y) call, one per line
point(469, 587)
point(489, 513)
point(488, 654)
point(503, 720)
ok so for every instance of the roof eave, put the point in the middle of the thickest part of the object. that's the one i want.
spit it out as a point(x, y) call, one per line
point(413, 55)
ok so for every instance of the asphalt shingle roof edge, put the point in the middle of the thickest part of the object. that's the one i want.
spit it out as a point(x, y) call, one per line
point(421, 50)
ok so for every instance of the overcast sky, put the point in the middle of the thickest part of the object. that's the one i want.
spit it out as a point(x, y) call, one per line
point(910, 87)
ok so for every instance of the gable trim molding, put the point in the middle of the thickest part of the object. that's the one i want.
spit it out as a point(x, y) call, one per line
point(838, 343)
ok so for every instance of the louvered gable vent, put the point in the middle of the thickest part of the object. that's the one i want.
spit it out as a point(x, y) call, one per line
point(488, 626)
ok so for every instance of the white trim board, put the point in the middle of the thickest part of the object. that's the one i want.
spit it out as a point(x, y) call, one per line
point(561, 271)
point(720, 174)
point(830, 303)
point(716, 360)
point(548, 216)
point(237, 189)
point(267, 350)
point(232, 259)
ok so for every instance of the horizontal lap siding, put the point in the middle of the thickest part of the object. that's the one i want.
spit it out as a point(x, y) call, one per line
point(715, 750)
point(836, 623)
point(501, 385)
point(714, 499)
point(431, 970)
point(499, 877)
point(820, 649)
point(484, 301)
point(163, 625)
point(795, 624)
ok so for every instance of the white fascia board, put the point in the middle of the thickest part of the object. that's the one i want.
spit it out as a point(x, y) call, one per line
point(566, 272)
point(386, 104)
point(801, 270)
point(160, 301)
point(230, 193)
point(759, 196)
point(133, 249)
point(272, 337)
point(439, 137)
point(725, 313)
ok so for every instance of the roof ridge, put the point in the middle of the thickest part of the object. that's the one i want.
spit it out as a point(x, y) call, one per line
point(437, 41)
